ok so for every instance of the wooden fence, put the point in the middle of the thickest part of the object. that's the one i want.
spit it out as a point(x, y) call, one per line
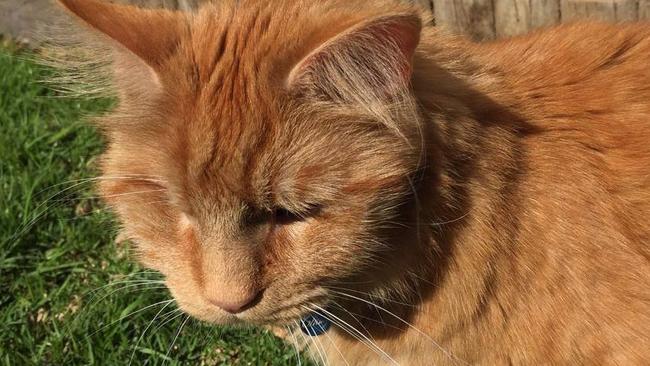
point(489, 19)
point(480, 19)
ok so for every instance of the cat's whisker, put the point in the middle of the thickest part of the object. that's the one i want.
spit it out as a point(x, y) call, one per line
point(443, 350)
point(316, 345)
point(333, 317)
point(305, 339)
point(326, 354)
point(381, 320)
point(110, 196)
point(167, 318)
point(442, 223)
point(121, 280)
point(347, 329)
point(353, 317)
point(131, 276)
point(116, 283)
point(95, 302)
point(382, 298)
point(354, 283)
point(178, 332)
point(44, 207)
point(128, 315)
point(144, 272)
point(295, 343)
point(135, 347)
point(165, 201)
point(336, 348)
point(138, 287)
point(416, 201)
point(142, 177)
point(321, 350)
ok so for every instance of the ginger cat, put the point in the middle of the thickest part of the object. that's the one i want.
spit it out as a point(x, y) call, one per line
point(427, 200)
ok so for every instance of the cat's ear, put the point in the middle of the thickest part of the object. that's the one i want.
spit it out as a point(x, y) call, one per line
point(149, 34)
point(375, 56)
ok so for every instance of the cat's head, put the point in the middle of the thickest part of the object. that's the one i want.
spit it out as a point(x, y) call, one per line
point(260, 150)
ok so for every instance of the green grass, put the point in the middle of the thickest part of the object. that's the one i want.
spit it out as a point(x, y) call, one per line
point(58, 250)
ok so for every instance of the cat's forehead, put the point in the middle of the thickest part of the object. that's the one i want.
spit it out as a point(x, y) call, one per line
point(236, 50)
point(248, 48)
point(239, 125)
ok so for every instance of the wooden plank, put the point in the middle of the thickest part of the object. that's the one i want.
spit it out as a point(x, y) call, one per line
point(188, 5)
point(626, 10)
point(644, 9)
point(472, 17)
point(608, 10)
point(544, 13)
point(154, 4)
point(580, 9)
point(511, 17)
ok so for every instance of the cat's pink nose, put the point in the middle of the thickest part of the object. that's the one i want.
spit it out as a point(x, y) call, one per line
point(233, 305)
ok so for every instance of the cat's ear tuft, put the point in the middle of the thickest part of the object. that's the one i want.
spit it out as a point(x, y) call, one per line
point(151, 35)
point(375, 56)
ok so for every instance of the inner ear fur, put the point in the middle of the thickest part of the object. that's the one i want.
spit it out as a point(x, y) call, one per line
point(374, 56)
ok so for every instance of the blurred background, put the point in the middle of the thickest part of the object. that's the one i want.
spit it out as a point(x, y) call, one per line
point(70, 291)
point(480, 19)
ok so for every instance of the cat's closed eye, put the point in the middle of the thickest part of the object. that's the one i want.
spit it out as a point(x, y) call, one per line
point(284, 216)
point(280, 215)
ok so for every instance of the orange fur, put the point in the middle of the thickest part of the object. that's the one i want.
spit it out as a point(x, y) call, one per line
point(495, 197)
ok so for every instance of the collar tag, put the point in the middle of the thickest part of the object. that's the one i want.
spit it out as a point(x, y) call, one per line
point(314, 324)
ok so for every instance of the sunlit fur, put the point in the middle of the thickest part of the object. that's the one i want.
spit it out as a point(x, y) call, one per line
point(452, 202)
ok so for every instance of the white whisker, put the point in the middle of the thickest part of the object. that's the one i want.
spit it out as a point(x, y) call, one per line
point(444, 351)
point(158, 282)
point(441, 223)
point(142, 177)
point(109, 196)
point(152, 287)
point(128, 315)
point(382, 298)
point(43, 208)
point(135, 347)
point(169, 317)
point(295, 344)
point(316, 346)
point(341, 321)
point(336, 348)
point(178, 332)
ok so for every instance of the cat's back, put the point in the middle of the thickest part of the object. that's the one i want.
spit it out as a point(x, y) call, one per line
point(583, 90)
point(577, 71)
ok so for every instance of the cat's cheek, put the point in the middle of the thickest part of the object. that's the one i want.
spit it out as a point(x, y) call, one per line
point(182, 292)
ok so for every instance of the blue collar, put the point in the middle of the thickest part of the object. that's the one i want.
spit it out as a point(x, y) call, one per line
point(314, 324)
